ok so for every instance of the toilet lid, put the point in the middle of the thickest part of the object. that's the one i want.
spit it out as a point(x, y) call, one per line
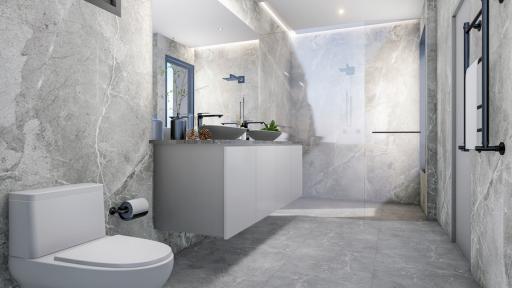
point(116, 252)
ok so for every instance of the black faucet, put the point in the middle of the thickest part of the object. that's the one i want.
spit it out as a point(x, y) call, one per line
point(246, 123)
point(200, 117)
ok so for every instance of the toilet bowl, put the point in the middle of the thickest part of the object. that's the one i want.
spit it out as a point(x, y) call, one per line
point(57, 239)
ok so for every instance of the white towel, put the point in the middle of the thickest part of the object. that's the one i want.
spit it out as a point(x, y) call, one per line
point(473, 98)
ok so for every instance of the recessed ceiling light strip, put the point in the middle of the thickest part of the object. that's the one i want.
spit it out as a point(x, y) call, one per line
point(335, 29)
point(226, 44)
point(279, 21)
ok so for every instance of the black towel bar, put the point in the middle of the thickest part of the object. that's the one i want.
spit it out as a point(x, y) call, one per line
point(396, 132)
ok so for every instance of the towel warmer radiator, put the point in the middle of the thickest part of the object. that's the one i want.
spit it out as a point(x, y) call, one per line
point(483, 26)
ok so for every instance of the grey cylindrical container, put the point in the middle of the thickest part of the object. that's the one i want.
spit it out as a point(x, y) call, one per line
point(157, 130)
point(167, 133)
point(178, 128)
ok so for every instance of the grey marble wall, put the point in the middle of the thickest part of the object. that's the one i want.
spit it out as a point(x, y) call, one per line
point(491, 241)
point(76, 106)
point(271, 62)
point(215, 95)
point(429, 25)
point(444, 114)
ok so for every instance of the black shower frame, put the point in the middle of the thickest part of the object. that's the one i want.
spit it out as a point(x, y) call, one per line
point(483, 26)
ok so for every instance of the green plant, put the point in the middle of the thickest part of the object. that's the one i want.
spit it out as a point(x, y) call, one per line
point(272, 126)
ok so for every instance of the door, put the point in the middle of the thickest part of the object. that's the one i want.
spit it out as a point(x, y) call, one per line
point(463, 199)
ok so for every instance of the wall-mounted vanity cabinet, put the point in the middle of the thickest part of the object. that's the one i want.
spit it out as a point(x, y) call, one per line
point(220, 189)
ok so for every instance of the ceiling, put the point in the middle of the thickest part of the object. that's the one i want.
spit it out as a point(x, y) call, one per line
point(305, 16)
point(198, 22)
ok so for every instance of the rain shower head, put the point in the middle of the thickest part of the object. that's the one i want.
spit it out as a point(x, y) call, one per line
point(232, 77)
point(348, 70)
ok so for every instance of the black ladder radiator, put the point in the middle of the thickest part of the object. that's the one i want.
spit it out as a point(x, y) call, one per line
point(480, 23)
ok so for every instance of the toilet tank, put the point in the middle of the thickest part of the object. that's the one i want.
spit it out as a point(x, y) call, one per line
point(48, 220)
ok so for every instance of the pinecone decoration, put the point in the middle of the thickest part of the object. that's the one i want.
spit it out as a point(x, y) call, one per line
point(191, 134)
point(205, 134)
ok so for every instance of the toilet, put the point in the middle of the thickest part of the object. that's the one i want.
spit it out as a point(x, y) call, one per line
point(57, 240)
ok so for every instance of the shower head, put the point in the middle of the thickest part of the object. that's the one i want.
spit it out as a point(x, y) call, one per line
point(232, 77)
point(348, 70)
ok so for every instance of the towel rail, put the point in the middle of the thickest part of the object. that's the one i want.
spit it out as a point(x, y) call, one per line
point(483, 26)
point(396, 132)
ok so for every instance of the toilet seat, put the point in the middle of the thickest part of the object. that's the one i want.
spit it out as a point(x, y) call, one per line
point(132, 263)
point(116, 252)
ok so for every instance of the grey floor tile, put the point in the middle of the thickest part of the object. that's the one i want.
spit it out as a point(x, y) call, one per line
point(397, 278)
point(298, 251)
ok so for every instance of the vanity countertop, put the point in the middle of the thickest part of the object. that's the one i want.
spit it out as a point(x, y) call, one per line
point(221, 142)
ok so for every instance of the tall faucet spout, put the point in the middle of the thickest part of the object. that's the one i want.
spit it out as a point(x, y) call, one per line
point(242, 110)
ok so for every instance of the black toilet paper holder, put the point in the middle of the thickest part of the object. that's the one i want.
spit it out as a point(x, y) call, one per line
point(120, 210)
point(125, 212)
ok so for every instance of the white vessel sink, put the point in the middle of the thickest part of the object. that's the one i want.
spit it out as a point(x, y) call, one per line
point(262, 135)
point(225, 132)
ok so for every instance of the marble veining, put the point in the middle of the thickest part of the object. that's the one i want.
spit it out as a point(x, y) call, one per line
point(345, 160)
point(77, 106)
point(215, 95)
point(491, 241)
point(297, 81)
point(429, 22)
point(298, 251)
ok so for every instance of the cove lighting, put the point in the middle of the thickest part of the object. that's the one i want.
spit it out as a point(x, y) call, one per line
point(276, 18)
point(225, 45)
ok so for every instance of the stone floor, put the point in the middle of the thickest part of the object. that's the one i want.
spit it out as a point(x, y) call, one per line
point(317, 207)
point(305, 251)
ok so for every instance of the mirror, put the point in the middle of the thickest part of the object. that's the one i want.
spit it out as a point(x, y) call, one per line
point(179, 88)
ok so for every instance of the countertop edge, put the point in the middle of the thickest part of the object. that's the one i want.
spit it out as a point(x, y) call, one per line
point(224, 142)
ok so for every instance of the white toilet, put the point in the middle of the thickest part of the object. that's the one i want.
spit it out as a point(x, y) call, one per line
point(57, 240)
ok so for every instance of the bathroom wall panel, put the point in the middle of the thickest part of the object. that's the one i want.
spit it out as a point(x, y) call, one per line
point(276, 70)
point(491, 220)
point(215, 95)
point(429, 22)
point(392, 172)
point(76, 106)
point(335, 171)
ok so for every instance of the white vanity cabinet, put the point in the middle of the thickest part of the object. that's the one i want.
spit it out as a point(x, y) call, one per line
point(222, 189)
